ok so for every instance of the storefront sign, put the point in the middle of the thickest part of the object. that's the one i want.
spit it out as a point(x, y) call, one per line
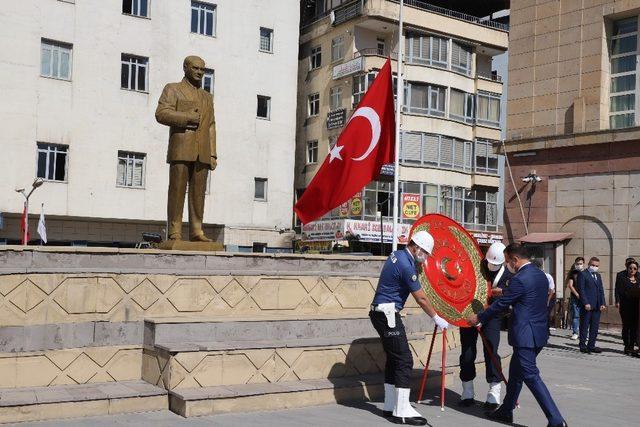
point(347, 68)
point(344, 209)
point(336, 118)
point(364, 231)
point(387, 169)
point(410, 205)
point(487, 238)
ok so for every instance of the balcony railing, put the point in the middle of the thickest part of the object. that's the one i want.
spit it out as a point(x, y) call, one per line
point(375, 52)
point(346, 12)
point(493, 76)
point(420, 4)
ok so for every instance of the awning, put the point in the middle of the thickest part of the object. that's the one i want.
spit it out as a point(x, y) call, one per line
point(545, 237)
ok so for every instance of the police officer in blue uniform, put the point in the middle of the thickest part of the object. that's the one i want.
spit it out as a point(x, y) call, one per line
point(398, 279)
point(497, 274)
point(528, 333)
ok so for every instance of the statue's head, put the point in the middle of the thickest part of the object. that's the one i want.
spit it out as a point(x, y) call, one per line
point(193, 67)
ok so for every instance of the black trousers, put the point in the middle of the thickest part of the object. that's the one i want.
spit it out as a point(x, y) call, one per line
point(399, 364)
point(469, 341)
point(629, 315)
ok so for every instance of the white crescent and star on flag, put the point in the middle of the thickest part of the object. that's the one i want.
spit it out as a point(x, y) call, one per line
point(374, 120)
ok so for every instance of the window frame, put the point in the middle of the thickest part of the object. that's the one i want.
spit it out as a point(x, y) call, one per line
point(337, 43)
point(311, 103)
point(60, 47)
point(271, 38)
point(268, 99)
point(312, 146)
point(335, 98)
point(316, 53)
point(208, 73)
point(199, 6)
point(265, 181)
point(491, 97)
point(131, 158)
point(427, 138)
point(129, 62)
point(485, 169)
point(56, 150)
point(137, 15)
point(628, 113)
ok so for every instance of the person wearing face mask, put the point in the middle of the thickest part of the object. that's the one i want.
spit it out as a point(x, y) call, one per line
point(628, 288)
point(528, 334)
point(398, 279)
point(574, 301)
point(592, 303)
point(625, 316)
point(495, 272)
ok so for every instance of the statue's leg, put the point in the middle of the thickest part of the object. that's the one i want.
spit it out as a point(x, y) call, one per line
point(197, 189)
point(178, 177)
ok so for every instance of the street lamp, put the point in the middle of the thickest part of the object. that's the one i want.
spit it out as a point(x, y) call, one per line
point(36, 183)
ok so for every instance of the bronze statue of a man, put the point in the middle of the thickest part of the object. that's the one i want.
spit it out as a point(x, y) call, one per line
point(188, 111)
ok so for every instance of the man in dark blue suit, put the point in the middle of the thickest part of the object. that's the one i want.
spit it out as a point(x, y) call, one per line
point(527, 293)
point(592, 303)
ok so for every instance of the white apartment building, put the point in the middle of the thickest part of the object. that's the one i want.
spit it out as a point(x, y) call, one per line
point(81, 81)
point(450, 117)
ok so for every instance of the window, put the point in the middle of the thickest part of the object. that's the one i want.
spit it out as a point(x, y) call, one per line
point(315, 60)
point(380, 46)
point(135, 7)
point(425, 99)
point(488, 112)
point(312, 152)
point(337, 48)
point(314, 105)
point(360, 85)
point(461, 107)
point(624, 50)
point(260, 192)
point(264, 107)
point(335, 95)
point(439, 151)
point(207, 80)
point(486, 160)
point(266, 39)
point(133, 74)
point(55, 59)
point(480, 209)
point(131, 169)
point(203, 18)
point(52, 161)
point(460, 58)
point(426, 50)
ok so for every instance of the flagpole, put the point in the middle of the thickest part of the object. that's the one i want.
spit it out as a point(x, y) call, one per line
point(399, 102)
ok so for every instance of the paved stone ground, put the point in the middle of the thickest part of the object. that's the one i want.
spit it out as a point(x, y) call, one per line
point(591, 390)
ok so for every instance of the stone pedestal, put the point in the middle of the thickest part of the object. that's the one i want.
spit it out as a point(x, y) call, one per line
point(185, 245)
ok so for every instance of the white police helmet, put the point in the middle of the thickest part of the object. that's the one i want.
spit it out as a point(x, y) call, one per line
point(495, 254)
point(424, 240)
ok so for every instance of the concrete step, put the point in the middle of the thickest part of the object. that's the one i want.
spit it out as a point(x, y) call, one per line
point(223, 352)
point(194, 402)
point(70, 401)
point(173, 332)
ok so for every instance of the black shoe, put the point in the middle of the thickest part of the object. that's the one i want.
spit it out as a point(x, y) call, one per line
point(490, 406)
point(584, 350)
point(564, 424)
point(466, 402)
point(387, 414)
point(595, 350)
point(499, 417)
point(412, 421)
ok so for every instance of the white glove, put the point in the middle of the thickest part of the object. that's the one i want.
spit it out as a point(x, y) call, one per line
point(442, 324)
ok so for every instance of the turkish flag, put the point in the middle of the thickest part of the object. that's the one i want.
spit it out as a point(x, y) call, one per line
point(366, 143)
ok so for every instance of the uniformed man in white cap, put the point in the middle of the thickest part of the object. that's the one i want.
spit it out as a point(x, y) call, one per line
point(495, 272)
point(398, 279)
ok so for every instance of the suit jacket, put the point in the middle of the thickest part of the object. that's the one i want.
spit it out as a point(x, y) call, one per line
point(186, 145)
point(527, 294)
point(620, 277)
point(591, 290)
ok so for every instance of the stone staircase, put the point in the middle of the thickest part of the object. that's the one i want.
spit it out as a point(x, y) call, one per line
point(215, 365)
point(90, 331)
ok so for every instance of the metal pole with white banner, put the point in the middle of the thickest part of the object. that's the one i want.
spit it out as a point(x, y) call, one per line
point(399, 102)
